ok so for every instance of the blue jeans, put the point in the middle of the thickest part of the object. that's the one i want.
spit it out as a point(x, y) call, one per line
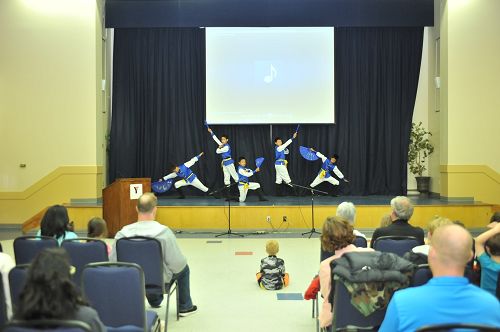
point(185, 302)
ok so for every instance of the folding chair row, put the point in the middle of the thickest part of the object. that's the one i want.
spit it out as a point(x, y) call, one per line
point(115, 290)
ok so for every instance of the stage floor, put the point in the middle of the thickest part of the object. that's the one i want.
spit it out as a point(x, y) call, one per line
point(305, 200)
point(288, 213)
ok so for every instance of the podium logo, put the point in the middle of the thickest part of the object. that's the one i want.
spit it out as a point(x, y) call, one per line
point(135, 191)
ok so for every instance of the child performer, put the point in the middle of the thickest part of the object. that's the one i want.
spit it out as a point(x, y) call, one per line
point(272, 274)
point(187, 175)
point(280, 150)
point(243, 184)
point(328, 166)
point(224, 150)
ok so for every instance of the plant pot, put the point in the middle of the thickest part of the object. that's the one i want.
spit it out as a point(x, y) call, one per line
point(423, 185)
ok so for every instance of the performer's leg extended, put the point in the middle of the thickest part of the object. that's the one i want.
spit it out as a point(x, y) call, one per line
point(243, 192)
point(316, 181)
point(332, 180)
point(197, 184)
point(232, 171)
point(279, 180)
point(256, 186)
point(178, 185)
point(227, 175)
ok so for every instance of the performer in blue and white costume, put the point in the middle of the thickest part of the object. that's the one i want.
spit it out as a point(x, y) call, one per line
point(224, 150)
point(329, 165)
point(187, 175)
point(243, 183)
point(280, 164)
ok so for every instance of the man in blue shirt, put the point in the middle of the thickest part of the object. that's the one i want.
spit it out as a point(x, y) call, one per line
point(448, 297)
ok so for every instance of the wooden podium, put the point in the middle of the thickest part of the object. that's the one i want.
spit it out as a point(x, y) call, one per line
point(119, 200)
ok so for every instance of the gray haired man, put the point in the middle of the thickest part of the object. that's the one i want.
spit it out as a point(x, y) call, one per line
point(402, 210)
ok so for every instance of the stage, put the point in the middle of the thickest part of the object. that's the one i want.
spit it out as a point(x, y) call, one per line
point(290, 213)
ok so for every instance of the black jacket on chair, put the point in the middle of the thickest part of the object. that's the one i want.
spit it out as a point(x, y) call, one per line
point(399, 227)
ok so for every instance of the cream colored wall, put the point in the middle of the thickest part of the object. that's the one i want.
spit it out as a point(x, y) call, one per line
point(470, 99)
point(47, 75)
point(474, 82)
point(420, 111)
point(51, 108)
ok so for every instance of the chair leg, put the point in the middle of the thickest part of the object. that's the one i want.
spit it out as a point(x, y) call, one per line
point(177, 297)
point(313, 307)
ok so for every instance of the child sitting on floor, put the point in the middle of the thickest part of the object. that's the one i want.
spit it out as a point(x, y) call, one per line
point(272, 274)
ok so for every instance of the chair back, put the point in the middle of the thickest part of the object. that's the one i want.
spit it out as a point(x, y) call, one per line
point(147, 253)
point(3, 306)
point(56, 325)
point(422, 275)
point(461, 327)
point(83, 251)
point(345, 315)
point(398, 245)
point(27, 247)
point(17, 280)
point(116, 292)
point(360, 242)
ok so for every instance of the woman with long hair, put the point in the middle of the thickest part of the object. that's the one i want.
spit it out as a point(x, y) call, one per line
point(55, 223)
point(337, 237)
point(49, 292)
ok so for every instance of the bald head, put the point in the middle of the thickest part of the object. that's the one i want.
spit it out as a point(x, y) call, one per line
point(451, 249)
point(146, 203)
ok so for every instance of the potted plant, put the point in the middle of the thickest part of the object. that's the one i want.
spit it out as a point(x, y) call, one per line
point(418, 151)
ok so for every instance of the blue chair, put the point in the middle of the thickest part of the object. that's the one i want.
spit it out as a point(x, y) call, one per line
point(116, 292)
point(360, 242)
point(17, 280)
point(398, 245)
point(83, 251)
point(3, 306)
point(56, 325)
point(147, 253)
point(346, 316)
point(461, 327)
point(422, 275)
point(27, 247)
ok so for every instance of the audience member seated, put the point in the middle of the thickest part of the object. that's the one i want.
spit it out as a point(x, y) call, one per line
point(402, 210)
point(448, 297)
point(6, 264)
point(97, 228)
point(495, 218)
point(385, 220)
point(337, 237)
point(347, 210)
point(433, 225)
point(488, 254)
point(175, 265)
point(49, 292)
point(55, 223)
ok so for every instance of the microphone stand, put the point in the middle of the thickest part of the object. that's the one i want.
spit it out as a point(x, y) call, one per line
point(229, 232)
point(314, 192)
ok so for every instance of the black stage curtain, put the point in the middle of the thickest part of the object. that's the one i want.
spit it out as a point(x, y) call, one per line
point(159, 109)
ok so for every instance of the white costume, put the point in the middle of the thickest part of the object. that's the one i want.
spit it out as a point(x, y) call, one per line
point(280, 163)
point(243, 184)
point(188, 177)
point(227, 162)
point(324, 173)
